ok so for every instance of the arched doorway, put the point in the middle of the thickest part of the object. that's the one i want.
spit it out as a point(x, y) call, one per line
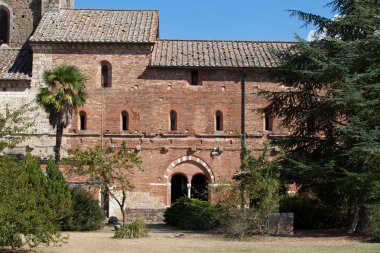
point(4, 27)
point(178, 187)
point(199, 187)
point(193, 170)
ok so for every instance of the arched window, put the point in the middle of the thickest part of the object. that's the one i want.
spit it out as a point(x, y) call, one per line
point(124, 121)
point(4, 27)
point(218, 121)
point(106, 74)
point(173, 121)
point(268, 122)
point(82, 120)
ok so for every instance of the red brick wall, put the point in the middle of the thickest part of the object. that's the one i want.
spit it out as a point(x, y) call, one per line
point(148, 95)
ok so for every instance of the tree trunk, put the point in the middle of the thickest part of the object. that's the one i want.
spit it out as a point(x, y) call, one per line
point(352, 219)
point(122, 207)
point(58, 142)
point(362, 221)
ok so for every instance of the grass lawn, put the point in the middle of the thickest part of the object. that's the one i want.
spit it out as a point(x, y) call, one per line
point(168, 240)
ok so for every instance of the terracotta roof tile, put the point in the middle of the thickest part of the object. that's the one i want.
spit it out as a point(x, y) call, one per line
point(218, 54)
point(110, 26)
point(15, 64)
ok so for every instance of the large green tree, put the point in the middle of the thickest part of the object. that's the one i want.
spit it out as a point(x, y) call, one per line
point(64, 92)
point(332, 107)
point(107, 167)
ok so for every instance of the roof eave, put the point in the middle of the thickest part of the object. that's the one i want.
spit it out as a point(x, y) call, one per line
point(33, 42)
point(212, 67)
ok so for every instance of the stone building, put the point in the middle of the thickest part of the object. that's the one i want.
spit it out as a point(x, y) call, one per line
point(177, 103)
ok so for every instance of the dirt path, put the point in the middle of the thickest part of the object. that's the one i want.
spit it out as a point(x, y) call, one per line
point(164, 239)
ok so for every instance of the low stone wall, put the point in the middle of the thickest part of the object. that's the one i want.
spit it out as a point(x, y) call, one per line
point(281, 223)
point(148, 215)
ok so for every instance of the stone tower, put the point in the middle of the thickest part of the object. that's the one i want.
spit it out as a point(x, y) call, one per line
point(54, 5)
point(19, 18)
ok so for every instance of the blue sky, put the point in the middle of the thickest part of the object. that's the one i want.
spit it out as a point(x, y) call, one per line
point(222, 19)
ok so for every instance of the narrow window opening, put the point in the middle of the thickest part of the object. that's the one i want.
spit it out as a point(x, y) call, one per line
point(194, 77)
point(268, 122)
point(82, 121)
point(124, 121)
point(105, 76)
point(219, 121)
point(4, 27)
point(173, 121)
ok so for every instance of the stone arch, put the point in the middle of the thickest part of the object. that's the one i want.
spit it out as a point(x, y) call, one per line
point(192, 159)
point(189, 166)
point(9, 23)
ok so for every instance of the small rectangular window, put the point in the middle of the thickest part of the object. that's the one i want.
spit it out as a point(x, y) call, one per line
point(173, 121)
point(194, 77)
point(268, 121)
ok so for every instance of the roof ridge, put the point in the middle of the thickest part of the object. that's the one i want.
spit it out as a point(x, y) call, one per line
point(15, 49)
point(89, 9)
point(256, 41)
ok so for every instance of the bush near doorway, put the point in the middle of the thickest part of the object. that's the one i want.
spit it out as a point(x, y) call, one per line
point(192, 214)
point(86, 215)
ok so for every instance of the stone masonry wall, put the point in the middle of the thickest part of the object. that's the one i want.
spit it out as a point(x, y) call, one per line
point(25, 15)
point(24, 18)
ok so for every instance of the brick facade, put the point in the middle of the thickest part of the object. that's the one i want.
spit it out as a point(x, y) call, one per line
point(147, 93)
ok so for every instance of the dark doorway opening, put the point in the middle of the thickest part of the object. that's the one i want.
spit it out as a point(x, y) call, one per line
point(179, 187)
point(105, 203)
point(199, 187)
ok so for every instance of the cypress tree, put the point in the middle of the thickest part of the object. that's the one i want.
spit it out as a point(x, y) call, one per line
point(58, 193)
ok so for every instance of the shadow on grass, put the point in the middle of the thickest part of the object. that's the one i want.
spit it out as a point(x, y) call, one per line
point(338, 233)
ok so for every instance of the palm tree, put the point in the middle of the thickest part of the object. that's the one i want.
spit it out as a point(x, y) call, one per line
point(64, 92)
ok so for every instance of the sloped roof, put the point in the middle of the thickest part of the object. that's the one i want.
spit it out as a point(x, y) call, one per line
point(98, 26)
point(15, 64)
point(216, 54)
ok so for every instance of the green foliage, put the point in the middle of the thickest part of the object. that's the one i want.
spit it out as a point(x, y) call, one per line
point(249, 204)
point(14, 124)
point(87, 215)
point(311, 213)
point(64, 92)
point(192, 214)
point(58, 193)
point(108, 167)
point(26, 216)
point(136, 229)
point(332, 106)
point(373, 228)
point(258, 182)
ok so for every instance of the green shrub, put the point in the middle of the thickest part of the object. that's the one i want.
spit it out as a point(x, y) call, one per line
point(58, 193)
point(192, 214)
point(311, 213)
point(26, 216)
point(373, 227)
point(87, 215)
point(136, 229)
